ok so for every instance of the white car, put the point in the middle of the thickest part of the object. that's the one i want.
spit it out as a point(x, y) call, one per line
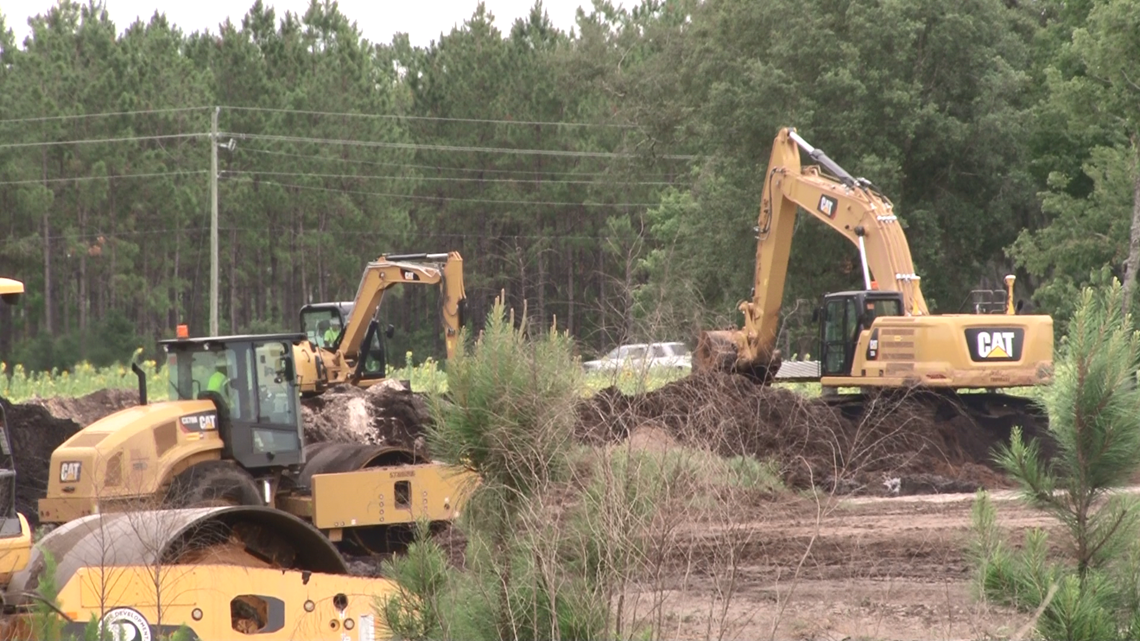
point(643, 356)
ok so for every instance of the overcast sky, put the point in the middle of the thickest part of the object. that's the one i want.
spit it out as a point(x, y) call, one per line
point(378, 20)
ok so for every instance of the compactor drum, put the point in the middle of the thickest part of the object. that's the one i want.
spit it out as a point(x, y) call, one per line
point(214, 573)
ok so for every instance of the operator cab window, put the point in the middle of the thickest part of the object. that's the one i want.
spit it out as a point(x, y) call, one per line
point(882, 307)
point(199, 373)
point(322, 326)
point(273, 387)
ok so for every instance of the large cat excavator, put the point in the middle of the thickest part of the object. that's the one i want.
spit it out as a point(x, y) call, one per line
point(882, 337)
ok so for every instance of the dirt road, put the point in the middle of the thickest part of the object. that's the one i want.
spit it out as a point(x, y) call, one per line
point(862, 568)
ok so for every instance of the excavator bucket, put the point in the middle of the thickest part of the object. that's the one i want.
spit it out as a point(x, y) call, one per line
point(720, 351)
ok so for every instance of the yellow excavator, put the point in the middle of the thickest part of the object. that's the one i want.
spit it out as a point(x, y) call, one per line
point(345, 344)
point(881, 337)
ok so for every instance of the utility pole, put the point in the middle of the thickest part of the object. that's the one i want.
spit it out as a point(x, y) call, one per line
point(214, 222)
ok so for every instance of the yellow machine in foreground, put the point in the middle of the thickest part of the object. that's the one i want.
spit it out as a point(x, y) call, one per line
point(345, 343)
point(231, 434)
point(210, 573)
point(881, 337)
point(217, 573)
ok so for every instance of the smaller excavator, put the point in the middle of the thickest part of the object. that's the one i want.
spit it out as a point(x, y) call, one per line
point(345, 344)
point(881, 337)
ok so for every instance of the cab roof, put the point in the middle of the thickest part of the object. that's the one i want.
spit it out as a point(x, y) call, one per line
point(207, 341)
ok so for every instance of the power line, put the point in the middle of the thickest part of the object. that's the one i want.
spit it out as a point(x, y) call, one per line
point(436, 118)
point(457, 148)
point(108, 177)
point(440, 178)
point(288, 230)
point(105, 114)
point(47, 143)
point(464, 200)
point(430, 167)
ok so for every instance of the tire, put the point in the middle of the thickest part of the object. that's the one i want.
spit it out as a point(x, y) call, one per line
point(213, 484)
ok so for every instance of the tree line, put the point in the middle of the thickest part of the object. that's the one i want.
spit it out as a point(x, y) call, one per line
point(609, 175)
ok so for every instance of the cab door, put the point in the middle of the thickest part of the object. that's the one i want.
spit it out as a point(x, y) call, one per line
point(838, 331)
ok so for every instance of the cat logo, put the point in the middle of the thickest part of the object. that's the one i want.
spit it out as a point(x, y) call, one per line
point(410, 275)
point(827, 205)
point(69, 471)
point(995, 344)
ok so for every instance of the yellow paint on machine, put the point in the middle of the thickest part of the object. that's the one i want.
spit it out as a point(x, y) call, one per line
point(222, 602)
point(385, 495)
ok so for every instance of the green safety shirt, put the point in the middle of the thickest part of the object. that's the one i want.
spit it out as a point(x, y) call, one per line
point(217, 383)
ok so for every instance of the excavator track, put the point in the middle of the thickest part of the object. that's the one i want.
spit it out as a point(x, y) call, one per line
point(995, 412)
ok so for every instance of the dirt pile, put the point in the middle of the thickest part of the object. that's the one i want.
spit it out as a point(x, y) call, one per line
point(895, 447)
point(39, 426)
point(85, 410)
point(384, 414)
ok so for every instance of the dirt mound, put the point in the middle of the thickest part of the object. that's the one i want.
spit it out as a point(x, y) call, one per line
point(85, 410)
point(651, 437)
point(896, 446)
point(35, 434)
point(386, 413)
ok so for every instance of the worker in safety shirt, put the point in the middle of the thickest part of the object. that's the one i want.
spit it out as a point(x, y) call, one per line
point(330, 335)
point(219, 380)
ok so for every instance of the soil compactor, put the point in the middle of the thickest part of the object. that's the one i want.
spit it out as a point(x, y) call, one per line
point(231, 430)
point(883, 337)
point(212, 573)
point(230, 433)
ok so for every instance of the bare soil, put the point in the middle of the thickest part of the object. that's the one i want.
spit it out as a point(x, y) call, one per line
point(384, 414)
point(865, 568)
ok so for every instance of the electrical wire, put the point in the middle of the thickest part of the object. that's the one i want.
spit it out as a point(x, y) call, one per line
point(106, 114)
point(455, 148)
point(464, 200)
point(443, 178)
point(109, 177)
point(435, 118)
point(47, 143)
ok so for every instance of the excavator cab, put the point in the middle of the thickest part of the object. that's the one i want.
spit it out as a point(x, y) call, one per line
point(843, 316)
point(324, 323)
point(252, 381)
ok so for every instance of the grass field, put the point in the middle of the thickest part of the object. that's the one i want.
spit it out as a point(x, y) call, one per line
point(18, 385)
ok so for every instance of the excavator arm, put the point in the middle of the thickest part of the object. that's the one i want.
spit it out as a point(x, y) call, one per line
point(849, 205)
